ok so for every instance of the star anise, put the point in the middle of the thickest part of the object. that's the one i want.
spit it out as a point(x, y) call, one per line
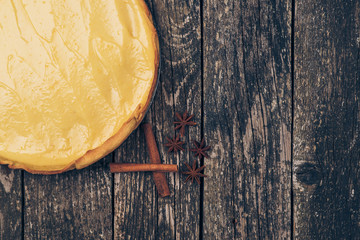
point(194, 173)
point(183, 121)
point(174, 144)
point(200, 149)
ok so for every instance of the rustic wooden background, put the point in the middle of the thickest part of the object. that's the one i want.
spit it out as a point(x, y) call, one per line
point(275, 88)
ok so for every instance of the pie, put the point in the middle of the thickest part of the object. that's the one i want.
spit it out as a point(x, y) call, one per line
point(76, 78)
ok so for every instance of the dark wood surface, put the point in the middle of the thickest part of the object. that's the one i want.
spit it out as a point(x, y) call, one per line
point(247, 119)
point(327, 120)
point(11, 193)
point(274, 86)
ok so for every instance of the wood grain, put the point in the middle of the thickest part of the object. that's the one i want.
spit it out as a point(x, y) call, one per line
point(247, 119)
point(135, 195)
point(72, 205)
point(179, 27)
point(10, 204)
point(327, 120)
point(139, 213)
point(180, 34)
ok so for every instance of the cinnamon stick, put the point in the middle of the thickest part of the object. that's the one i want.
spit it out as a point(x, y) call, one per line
point(159, 178)
point(142, 167)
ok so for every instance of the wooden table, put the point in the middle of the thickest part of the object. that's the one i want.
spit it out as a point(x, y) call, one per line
point(275, 87)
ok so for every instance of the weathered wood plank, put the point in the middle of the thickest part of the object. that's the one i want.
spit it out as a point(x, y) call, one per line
point(135, 195)
point(10, 203)
point(247, 119)
point(72, 205)
point(139, 212)
point(327, 120)
point(180, 32)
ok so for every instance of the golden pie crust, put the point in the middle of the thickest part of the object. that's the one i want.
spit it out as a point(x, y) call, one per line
point(115, 140)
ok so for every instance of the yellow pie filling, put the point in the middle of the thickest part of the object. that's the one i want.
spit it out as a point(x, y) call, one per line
point(76, 77)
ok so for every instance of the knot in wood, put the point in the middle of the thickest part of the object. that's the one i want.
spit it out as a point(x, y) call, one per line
point(308, 174)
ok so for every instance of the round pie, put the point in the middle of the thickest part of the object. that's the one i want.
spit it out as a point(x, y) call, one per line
point(76, 78)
